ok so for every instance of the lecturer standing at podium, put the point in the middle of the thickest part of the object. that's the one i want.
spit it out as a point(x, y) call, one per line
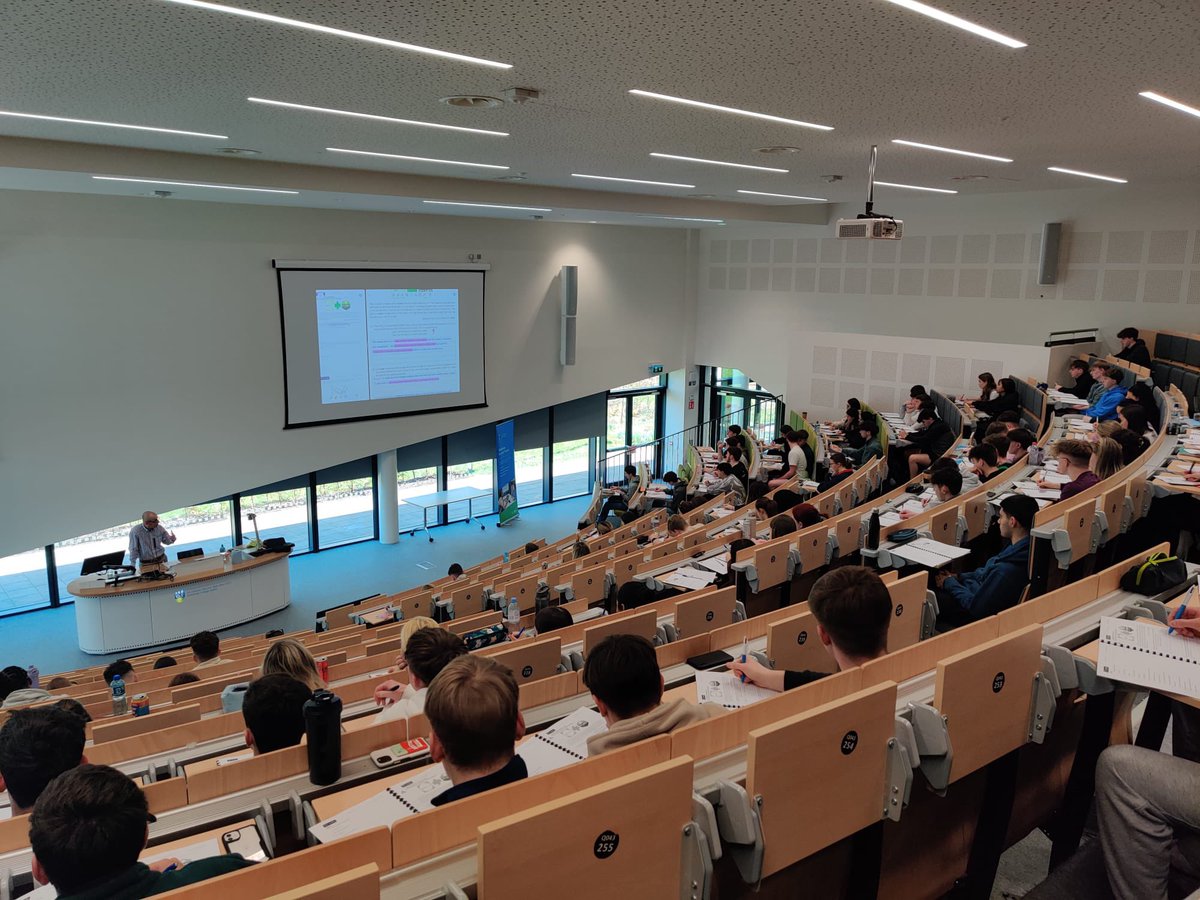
point(146, 543)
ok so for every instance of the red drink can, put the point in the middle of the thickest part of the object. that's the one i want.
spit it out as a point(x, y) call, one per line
point(323, 668)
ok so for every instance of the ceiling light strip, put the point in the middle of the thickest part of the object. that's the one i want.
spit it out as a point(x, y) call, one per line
point(914, 187)
point(424, 159)
point(921, 146)
point(216, 187)
point(1087, 174)
point(374, 118)
point(69, 121)
point(717, 162)
point(784, 196)
point(730, 109)
point(337, 32)
point(1167, 101)
point(486, 205)
point(682, 219)
point(966, 25)
point(670, 184)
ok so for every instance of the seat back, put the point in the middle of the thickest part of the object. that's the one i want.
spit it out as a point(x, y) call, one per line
point(908, 599)
point(794, 644)
point(698, 615)
point(530, 660)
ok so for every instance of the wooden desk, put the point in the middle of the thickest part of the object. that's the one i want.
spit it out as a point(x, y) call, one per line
point(202, 597)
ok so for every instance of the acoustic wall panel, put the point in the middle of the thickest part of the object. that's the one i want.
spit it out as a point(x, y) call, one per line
point(1120, 285)
point(883, 366)
point(1164, 286)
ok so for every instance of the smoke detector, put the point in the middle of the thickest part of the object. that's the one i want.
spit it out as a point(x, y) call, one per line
point(472, 101)
point(521, 95)
point(778, 149)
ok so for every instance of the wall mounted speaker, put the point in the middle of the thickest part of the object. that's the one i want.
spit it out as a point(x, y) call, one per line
point(569, 281)
point(1051, 242)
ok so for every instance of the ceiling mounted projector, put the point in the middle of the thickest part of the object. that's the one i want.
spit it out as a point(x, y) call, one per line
point(871, 225)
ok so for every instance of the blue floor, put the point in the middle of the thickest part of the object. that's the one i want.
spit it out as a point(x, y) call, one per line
point(319, 580)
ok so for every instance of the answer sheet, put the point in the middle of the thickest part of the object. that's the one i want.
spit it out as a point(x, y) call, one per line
point(728, 690)
point(1143, 653)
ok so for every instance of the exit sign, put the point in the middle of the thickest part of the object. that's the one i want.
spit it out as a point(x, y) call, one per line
point(656, 369)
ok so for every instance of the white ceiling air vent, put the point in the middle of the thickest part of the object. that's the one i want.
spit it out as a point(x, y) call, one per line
point(472, 101)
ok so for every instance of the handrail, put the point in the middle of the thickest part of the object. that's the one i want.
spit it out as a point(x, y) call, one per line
point(670, 451)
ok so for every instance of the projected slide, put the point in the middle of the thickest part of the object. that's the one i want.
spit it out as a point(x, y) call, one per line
point(384, 344)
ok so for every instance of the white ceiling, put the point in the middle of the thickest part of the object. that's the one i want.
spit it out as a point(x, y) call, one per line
point(872, 70)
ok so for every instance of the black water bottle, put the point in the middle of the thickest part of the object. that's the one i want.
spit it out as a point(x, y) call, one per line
point(323, 727)
point(541, 599)
point(873, 531)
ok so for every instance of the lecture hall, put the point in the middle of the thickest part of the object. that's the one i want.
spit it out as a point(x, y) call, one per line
point(794, 492)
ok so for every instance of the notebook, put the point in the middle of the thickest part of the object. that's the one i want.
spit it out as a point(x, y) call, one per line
point(926, 552)
point(690, 579)
point(1142, 653)
point(728, 690)
point(563, 743)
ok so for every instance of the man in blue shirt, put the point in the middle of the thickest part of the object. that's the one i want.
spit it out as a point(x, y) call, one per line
point(1105, 407)
point(997, 584)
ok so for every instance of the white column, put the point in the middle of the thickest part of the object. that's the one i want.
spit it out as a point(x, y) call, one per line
point(386, 499)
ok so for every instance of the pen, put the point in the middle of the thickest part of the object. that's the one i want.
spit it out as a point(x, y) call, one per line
point(745, 654)
point(521, 632)
point(171, 868)
point(1178, 613)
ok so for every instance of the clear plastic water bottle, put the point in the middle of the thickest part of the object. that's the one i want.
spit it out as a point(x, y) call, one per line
point(514, 611)
point(120, 703)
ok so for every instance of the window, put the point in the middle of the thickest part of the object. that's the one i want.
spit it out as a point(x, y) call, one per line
point(616, 433)
point(23, 582)
point(738, 399)
point(479, 476)
point(530, 477)
point(413, 483)
point(635, 413)
point(571, 461)
point(644, 425)
point(70, 554)
point(279, 514)
point(346, 511)
point(206, 526)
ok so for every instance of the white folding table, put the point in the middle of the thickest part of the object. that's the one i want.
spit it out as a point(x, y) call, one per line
point(426, 502)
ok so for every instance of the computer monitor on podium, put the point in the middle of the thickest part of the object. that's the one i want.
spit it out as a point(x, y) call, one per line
point(95, 564)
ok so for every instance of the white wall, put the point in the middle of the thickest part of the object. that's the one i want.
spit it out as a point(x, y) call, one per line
point(966, 270)
point(141, 352)
point(828, 368)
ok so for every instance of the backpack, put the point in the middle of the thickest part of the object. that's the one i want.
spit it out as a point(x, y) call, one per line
point(1157, 574)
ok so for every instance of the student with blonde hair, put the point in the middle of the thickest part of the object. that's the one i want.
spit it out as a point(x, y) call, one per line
point(384, 693)
point(1073, 460)
point(291, 658)
point(1107, 458)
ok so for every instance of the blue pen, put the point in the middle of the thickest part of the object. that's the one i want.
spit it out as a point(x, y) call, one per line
point(1178, 613)
point(171, 868)
point(745, 653)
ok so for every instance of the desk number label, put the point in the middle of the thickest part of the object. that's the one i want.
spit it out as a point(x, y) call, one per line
point(802, 637)
point(606, 844)
point(998, 683)
point(899, 610)
point(527, 671)
point(708, 616)
point(849, 742)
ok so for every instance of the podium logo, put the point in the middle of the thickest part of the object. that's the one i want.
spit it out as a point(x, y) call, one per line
point(179, 595)
point(606, 844)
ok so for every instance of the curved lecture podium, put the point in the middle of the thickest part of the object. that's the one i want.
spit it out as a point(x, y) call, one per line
point(203, 596)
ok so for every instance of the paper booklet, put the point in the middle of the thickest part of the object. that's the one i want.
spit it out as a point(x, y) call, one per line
point(689, 578)
point(1141, 653)
point(561, 744)
point(728, 690)
point(718, 564)
point(926, 552)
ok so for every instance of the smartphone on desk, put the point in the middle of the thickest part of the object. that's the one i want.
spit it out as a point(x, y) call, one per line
point(246, 843)
point(398, 753)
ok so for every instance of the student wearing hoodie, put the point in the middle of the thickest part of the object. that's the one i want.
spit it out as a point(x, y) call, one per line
point(1133, 348)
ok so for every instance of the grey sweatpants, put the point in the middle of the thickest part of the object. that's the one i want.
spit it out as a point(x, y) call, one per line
point(1148, 808)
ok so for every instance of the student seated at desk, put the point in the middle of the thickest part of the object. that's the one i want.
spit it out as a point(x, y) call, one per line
point(474, 724)
point(184, 678)
point(621, 495)
point(934, 439)
point(839, 471)
point(727, 482)
point(797, 466)
point(1132, 445)
point(781, 525)
point(946, 480)
point(733, 456)
point(87, 832)
point(1143, 394)
point(869, 448)
point(1019, 442)
point(987, 388)
point(455, 571)
point(1007, 399)
point(122, 667)
point(998, 583)
point(551, 618)
point(531, 549)
point(851, 424)
point(623, 675)
point(985, 462)
point(206, 650)
point(1073, 460)
point(764, 509)
point(273, 710)
point(1010, 419)
point(1082, 378)
point(917, 397)
point(1134, 417)
point(1111, 393)
point(853, 610)
point(1133, 349)
point(677, 489)
point(1106, 459)
point(806, 515)
point(36, 746)
point(17, 690)
point(291, 658)
point(426, 653)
